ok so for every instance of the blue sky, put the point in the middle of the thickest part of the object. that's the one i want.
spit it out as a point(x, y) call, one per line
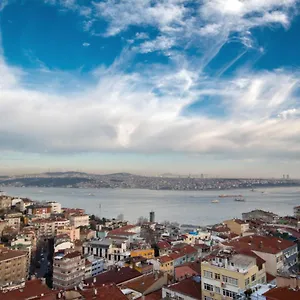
point(180, 86)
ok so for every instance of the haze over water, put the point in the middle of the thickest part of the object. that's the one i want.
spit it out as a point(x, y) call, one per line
point(188, 207)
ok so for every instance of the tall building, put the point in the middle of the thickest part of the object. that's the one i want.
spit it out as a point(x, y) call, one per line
point(68, 270)
point(228, 273)
point(152, 217)
point(13, 266)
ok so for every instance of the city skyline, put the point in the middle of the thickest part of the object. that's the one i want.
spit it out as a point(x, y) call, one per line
point(150, 87)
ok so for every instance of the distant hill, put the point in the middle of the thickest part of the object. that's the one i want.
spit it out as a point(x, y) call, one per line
point(73, 173)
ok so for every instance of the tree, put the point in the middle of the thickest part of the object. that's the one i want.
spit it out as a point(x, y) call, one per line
point(141, 220)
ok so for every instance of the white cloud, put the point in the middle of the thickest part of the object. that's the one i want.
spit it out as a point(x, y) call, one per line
point(160, 43)
point(123, 113)
point(85, 44)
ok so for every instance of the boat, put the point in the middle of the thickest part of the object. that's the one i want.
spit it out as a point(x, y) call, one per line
point(91, 194)
point(230, 196)
point(215, 201)
point(239, 199)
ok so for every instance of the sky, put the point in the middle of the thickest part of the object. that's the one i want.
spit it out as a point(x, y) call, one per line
point(149, 87)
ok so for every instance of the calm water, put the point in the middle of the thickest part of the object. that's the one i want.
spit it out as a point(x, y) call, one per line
point(181, 206)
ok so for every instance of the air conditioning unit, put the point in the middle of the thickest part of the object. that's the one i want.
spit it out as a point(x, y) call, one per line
point(223, 284)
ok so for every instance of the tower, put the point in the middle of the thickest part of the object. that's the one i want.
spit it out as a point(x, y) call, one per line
point(152, 217)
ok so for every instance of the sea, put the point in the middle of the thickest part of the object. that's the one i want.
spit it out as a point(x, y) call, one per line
point(184, 207)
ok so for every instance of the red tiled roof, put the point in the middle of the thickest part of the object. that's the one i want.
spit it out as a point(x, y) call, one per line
point(153, 296)
point(165, 258)
point(6, 253)
point(33, 288)
point(142, 284)
point(104, 292)
point(184, 272)
point(187, 287)
point(239, 221)
point(282, 293)
point(265, 244)
point(163, 245)
point(115, 276)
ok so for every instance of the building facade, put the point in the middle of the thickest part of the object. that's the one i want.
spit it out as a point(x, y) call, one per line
point(229, 274)
point(237, 226)
point(55, 207)
point(68, 270)
point(13, 266)
point(78, 220)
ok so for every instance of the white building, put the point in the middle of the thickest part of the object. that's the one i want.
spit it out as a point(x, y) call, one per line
point(55, 207)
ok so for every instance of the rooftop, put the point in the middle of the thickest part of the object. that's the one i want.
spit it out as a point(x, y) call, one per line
point(265, 244)
point(188, 287)
point(107, 291)
point(283, 293)
point(163, 245)
point(142, 284)
point(6, 253)
point(116, 276)
point(32, 290)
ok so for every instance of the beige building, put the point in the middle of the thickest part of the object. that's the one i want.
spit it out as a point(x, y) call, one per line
point(71, 231)
point(68, 270)
point(78, 220)
point(55, 207)
point(13, 266)
point(5, 202)
point(227, 274)
point(47, 228)
point(3, 224)
point(237, 226)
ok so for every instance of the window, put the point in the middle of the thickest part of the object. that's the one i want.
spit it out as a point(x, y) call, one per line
point(208, 287)
point(207, 298)
point(253, 277)
point(247, 281)
point(208, 274)
point(229, 294)
point(168, 295)
point(230, 280)
point(217, 290)
point(217, 276)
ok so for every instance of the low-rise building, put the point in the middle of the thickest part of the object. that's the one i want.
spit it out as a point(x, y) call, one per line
point(259, 214)
point(237, 226)
point(278, 253)
point(187, 289)
point(13, 266)
point(13, 221)
point(297, 212)
point(228, 273)
point(147, 253)
point(140, 264)
point(112, 250)
point(164, 248)
point(23, 204)
point(78, 220)
point(68, 270)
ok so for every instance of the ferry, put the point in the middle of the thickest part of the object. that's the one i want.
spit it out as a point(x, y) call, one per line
point(215, 201)
point(230, 196)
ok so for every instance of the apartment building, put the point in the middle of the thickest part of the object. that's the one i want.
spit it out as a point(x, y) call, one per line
point(71, 231)
point(237, 226)
point(78, 220)
point(39, 210)
point(47, 228)
point(55, 207)
point(112, 250)
point(278, 253)
point(229, 273)
point(68, 270)
point(13, 266)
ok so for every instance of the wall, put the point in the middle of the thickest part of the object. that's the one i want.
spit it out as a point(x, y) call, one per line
point(271, 264)
point(147, 253)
